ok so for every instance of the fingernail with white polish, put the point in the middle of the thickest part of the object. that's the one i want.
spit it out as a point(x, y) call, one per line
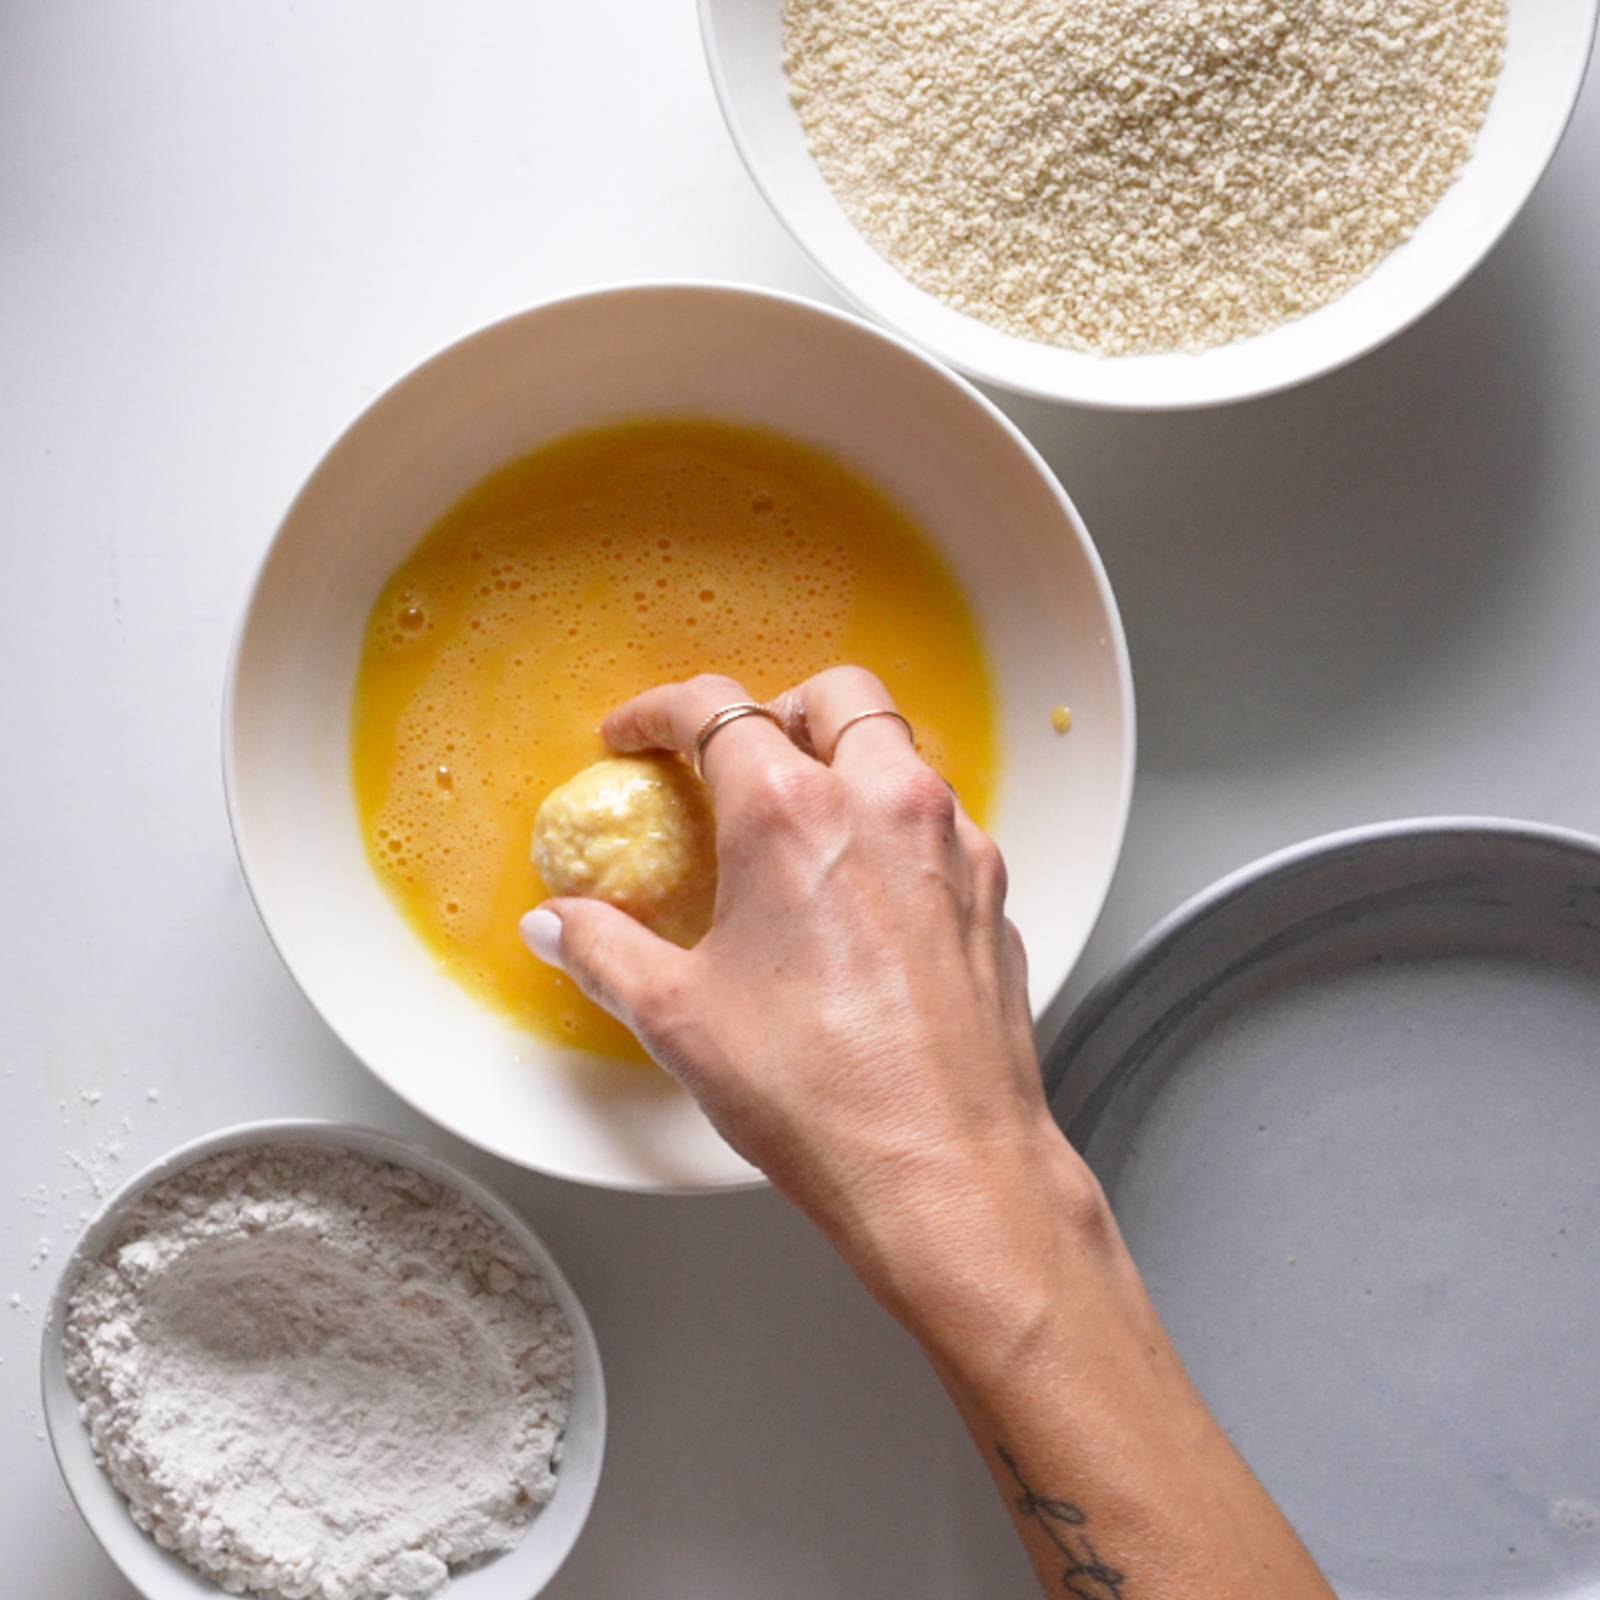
point(541, 932)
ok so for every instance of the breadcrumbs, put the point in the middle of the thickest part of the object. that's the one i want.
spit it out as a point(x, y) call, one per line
point(1139, 175)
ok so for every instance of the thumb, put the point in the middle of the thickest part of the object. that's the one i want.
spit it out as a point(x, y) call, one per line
point(617, 961)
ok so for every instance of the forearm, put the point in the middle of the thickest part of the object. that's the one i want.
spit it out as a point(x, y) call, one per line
point(1120, 1481)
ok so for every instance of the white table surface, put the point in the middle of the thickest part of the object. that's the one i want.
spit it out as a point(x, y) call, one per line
point(223, 229)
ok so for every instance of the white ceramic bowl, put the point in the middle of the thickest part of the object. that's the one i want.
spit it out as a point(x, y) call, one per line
point(924, 436)
point(518, 1574)
point(1547, 54)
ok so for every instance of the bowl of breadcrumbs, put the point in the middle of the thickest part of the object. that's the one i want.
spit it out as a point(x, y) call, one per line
point(1147, 204)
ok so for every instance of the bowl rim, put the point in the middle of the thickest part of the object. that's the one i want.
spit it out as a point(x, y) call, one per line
point(1073, 394)
point(381, 1145)
point(1151, 949)
point(1115, 639)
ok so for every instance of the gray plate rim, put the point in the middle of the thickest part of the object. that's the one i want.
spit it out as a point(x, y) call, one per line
point(1112, 990)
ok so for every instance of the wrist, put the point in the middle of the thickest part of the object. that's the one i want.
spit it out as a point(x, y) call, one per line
point(993, 1251)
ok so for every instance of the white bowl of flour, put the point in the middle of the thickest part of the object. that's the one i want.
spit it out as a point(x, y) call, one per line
point(1046, 184)
point(302, 1359)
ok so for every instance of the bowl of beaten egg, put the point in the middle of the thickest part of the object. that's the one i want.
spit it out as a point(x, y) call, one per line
point(611, 490)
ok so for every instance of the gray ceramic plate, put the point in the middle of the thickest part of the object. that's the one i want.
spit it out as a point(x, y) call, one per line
point(1347, 1107)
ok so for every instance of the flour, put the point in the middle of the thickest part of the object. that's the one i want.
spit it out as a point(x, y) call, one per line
point(1136, 175)
point(314, 1374)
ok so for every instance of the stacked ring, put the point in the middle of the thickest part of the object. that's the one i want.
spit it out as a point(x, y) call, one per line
point(718, 720)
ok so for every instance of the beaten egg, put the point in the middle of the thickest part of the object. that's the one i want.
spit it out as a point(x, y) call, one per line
point(573, 578)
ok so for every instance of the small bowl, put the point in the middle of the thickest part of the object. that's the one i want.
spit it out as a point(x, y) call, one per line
point(517, 1574)
point(922, 435)
point(1547, 53)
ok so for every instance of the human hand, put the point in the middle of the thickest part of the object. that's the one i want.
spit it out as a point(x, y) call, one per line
point(856, 1023)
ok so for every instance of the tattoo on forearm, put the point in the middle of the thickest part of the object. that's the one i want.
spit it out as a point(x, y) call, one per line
point(1086, 1576)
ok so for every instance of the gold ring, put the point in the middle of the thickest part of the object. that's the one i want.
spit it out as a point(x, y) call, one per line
point(861, 716)
point(718, 720)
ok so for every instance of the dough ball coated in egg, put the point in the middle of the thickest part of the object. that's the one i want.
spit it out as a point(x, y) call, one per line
point(636, 831)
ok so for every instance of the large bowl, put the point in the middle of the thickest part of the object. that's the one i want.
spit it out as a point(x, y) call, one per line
point(925, 437)
point(517, 1574)
point(1547, 53)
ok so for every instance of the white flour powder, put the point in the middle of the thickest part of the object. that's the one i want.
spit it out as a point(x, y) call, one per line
point(317, 1374)
point(1127, 175)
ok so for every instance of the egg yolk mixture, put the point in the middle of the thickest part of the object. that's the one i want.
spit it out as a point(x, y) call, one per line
point(570, 580)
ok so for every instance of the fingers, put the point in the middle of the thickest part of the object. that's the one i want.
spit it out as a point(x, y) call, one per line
point(790, 710)
point(616, 961)
point(822, 712)
point(985, 864)
point(671, 717)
